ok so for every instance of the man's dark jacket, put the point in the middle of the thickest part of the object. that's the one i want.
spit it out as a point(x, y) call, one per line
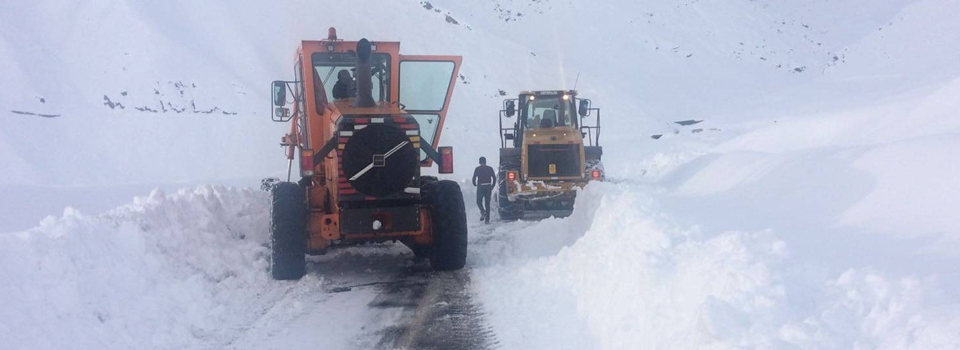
point(484, 175)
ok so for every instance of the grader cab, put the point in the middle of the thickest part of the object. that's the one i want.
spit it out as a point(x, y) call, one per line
point(363, 121)
point(547, 153)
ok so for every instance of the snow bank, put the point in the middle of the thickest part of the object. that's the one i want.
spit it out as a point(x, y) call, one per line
point(168, 272)
point(634, 280)
point(887, 169)
point(863, 309)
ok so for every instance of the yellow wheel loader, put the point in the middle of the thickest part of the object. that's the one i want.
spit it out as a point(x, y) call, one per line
point(550, 150)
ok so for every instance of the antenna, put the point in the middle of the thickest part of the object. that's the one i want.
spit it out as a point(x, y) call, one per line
point(576, 81)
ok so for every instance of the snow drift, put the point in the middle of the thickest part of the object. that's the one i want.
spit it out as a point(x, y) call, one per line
point(635, 279)
point(168, 271)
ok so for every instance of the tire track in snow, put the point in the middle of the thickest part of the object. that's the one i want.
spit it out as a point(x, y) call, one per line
point(438, 313)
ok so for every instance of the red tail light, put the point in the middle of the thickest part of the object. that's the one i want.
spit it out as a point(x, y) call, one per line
point(595, 174)
point(306, 162)
point(446, 160)
point(511, 175)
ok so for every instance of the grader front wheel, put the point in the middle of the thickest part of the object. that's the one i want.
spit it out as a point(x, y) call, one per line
point(288, 231)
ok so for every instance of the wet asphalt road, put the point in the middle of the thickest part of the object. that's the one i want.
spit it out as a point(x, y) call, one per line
point(422, 308)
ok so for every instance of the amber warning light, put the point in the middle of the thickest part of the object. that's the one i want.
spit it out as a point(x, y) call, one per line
point(446, 160)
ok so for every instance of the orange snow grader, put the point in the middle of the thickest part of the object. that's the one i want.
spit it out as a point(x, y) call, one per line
point(363, 120)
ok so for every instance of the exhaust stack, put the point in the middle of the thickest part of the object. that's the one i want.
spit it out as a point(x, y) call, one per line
point(363, 75)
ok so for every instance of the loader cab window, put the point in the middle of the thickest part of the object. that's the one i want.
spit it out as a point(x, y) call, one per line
point(327, 66)
point(548, 111)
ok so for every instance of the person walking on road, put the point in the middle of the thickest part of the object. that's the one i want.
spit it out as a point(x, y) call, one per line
point(483, 179)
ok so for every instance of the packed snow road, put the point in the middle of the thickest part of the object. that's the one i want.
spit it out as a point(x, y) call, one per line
point(382, 296)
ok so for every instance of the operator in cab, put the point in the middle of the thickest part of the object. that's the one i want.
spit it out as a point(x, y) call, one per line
point(344, 88)
point(484, 178)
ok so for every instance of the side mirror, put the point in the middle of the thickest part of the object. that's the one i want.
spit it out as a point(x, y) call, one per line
point(510, 107)
point(584, 108)
point(508, 136)
point(279, 93)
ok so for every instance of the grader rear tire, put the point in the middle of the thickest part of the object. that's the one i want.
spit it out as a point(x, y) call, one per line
point(449, 251)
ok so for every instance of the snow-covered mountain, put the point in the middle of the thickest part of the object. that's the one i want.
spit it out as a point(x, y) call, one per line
point(813, 207)
point(160, 93)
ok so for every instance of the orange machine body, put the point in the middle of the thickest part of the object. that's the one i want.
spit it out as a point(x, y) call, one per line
point(314, 119)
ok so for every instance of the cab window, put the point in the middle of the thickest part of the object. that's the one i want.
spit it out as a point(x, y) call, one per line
point(548, 112)
point(424, 84)
point(428, 128)
point(329, 65)
point(423, 93)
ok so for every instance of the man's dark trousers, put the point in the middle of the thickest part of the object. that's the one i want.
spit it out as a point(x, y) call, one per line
point(483, 200)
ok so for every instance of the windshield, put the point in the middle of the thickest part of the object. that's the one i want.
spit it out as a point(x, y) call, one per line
point(337, 68)
point(546, 112)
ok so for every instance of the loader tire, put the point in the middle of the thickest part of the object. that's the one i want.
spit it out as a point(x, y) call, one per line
point(288, 231)
point(449, 218)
